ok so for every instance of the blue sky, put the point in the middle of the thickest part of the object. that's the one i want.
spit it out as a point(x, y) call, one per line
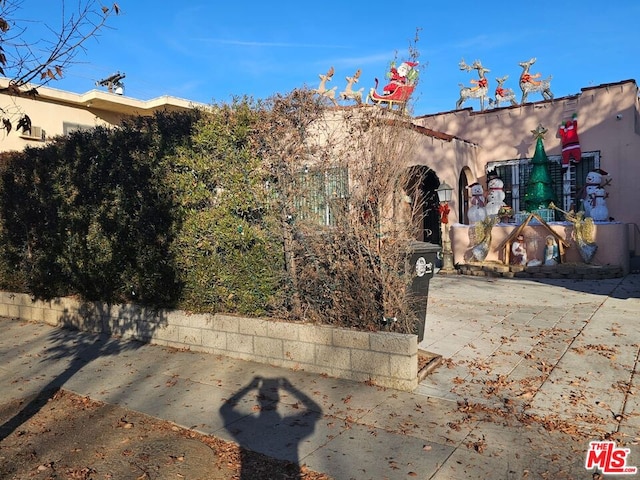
point(209, 51)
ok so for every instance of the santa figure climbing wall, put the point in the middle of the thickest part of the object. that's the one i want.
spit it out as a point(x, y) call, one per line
point(570, 142)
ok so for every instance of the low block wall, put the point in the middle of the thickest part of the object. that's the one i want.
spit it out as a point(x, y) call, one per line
point(382, 358)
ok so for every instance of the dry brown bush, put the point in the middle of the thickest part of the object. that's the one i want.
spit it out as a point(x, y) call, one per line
point(346, 242)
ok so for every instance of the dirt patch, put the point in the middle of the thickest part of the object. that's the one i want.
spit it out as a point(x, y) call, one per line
point(72, 437)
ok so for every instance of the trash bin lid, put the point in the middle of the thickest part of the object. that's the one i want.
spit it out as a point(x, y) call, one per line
point(424, 247)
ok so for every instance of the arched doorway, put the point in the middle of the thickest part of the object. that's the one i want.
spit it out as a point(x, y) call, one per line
point(421, 185)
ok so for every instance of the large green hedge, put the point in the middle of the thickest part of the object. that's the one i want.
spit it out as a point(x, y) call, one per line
point(92, 214)
point(170, 210)
point(205, 211)
point(229, 248)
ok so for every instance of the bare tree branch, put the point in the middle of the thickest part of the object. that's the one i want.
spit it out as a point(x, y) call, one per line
point(29, 61)
point(41, 60)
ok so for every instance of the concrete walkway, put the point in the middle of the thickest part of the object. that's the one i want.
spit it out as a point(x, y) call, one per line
point(532, 372)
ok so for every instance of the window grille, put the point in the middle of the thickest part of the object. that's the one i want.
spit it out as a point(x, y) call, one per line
point(320, 192)
point(568, 185)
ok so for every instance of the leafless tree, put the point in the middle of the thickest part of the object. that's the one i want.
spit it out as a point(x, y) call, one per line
point(29, 62)
point(340, 177)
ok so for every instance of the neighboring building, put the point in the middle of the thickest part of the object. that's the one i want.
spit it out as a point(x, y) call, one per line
point(56, 112)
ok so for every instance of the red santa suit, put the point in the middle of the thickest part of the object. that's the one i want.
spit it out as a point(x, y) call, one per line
point(398, 79)
point(570, 142)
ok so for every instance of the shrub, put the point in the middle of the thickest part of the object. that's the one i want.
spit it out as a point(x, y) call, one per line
point(340, 176)
point(91, 213)
point(228, 253)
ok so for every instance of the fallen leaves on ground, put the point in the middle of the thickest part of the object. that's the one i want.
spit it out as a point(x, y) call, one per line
point(75, 438)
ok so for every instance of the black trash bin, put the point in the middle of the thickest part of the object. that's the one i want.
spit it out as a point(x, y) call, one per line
point(422, 261)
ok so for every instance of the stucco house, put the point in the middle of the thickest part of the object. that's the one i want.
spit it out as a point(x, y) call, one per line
point(462, 147)
point(56, 112)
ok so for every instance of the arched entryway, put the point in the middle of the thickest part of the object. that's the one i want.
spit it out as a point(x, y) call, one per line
point(422, 183)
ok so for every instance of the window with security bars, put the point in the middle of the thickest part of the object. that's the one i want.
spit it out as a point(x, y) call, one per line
point(568, 185)
point(320, 192)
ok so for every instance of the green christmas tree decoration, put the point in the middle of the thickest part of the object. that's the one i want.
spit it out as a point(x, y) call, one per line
point(540, 192)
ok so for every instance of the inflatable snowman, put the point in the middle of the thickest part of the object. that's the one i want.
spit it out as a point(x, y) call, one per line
point(476, 212)
point(495, 197)
point(593, 182)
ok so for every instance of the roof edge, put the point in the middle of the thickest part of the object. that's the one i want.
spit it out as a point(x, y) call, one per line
point(507, 107)
point(48, 93)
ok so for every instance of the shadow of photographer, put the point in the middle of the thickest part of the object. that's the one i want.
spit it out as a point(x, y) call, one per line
point(264, 428)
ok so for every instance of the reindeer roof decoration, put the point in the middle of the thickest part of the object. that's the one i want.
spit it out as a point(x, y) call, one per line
point(529, 83)
point(322, 89)
point(480, 87)
point(503, 94)
point(348, 93)
point(403, 80)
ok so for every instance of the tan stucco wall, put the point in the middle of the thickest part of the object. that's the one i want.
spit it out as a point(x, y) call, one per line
point(448, 158)
point(607, 118)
